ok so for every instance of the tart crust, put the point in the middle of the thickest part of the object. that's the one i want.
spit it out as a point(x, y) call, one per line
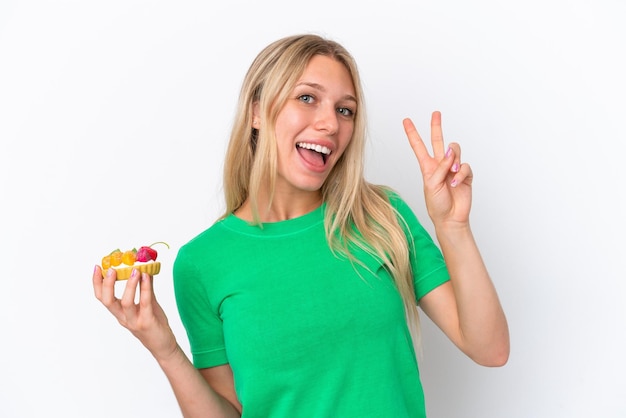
point(123, 273)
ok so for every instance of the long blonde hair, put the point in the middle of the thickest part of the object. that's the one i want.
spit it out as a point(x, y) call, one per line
point(358, 213)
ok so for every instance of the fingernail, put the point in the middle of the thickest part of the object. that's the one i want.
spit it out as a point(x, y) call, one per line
point(109, 272)
point(133, 274)
point(453, 183)
point(455, 167)
point(448, 152)
point(95, 269)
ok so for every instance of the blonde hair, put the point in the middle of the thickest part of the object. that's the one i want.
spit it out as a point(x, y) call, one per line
point(358, 213)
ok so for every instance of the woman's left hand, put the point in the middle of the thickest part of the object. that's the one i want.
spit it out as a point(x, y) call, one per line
point(447, 181)
point(466, 308)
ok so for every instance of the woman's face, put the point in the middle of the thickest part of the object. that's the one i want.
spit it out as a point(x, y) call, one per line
point(315, 126)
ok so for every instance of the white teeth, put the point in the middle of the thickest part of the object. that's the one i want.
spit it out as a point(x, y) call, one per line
point(314, 147)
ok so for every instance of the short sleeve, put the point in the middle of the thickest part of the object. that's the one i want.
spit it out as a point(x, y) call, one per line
point(427, 262)
point(202, 323)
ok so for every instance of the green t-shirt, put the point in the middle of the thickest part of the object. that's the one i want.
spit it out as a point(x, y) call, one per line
point(306, 333)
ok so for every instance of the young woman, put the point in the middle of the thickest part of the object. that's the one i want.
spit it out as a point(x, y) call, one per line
point(301, 301)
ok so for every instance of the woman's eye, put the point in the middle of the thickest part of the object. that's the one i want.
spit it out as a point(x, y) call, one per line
point(345, 111)
point(306, 98)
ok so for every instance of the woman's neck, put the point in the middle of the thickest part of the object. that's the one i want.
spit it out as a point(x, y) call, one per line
point(282, 207)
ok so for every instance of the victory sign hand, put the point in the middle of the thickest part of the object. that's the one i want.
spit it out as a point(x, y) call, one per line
point(447, 181)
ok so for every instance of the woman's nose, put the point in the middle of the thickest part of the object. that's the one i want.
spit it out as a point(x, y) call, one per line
point(326, 119)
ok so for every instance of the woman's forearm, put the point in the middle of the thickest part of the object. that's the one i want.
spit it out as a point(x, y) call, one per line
point(482, 323)
point(195, 396)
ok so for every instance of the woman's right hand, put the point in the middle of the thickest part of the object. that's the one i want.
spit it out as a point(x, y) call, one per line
point(145, 319)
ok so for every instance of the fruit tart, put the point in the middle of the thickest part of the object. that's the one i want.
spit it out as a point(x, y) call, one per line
point(124, 262)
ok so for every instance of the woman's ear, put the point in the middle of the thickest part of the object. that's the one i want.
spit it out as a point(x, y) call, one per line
point(256, 117)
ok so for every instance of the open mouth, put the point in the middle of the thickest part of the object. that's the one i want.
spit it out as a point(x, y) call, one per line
point(314, 154)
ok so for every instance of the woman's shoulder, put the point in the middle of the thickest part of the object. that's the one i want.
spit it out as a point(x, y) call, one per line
point(393, 197)
point(208, 237)
point(403, 210)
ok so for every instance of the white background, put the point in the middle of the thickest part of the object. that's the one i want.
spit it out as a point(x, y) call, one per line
point(113, 122)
